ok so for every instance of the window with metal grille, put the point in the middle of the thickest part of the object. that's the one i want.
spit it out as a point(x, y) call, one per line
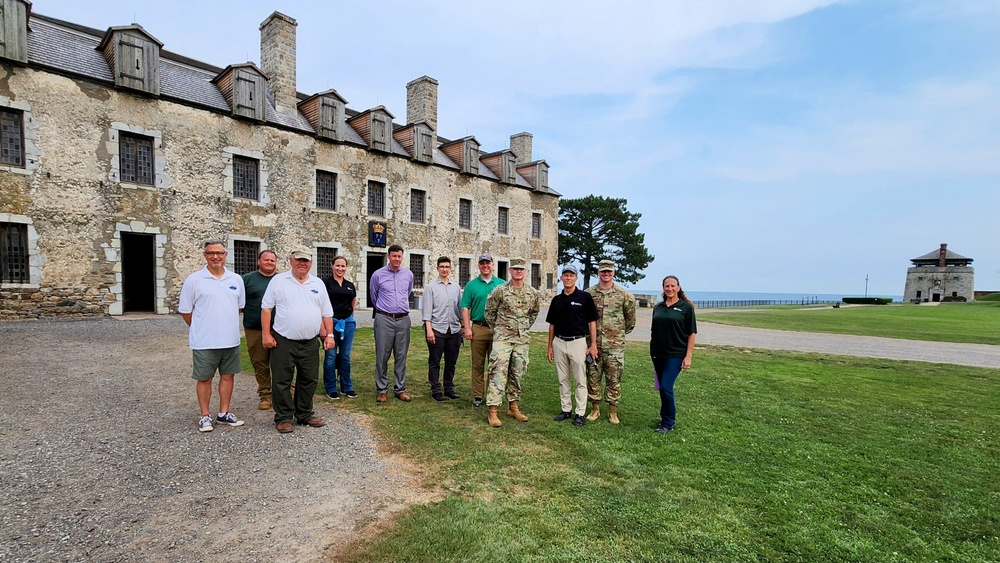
point(324, 260)
point(245, 256)
point(418, 199)
point(536, 276)
point(246, 177)
point(135, 159)
point(326, 189)
point(464, 266)
point(536, 225)
point(14, 253)
point(417, 267)
point(465, 213)
point(11, 137)
point(376, 199)
point(502, 220)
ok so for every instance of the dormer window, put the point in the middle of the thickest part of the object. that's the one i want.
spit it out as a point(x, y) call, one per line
point(243, 87)
point(375, 127)
point(535, 173)
point(418, 140)
point(134, 58)
point(14, 30)
point(465, 153)
point(503, 165)
point(325, 112)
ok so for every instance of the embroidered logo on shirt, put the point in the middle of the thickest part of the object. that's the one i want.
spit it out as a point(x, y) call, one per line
point(313, 290)
point(232, 287)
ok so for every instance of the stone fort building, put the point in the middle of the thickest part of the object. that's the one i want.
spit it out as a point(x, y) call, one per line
point(119, 158)
point(940, 275)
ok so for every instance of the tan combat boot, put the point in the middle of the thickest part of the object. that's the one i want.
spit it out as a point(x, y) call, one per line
point(493, 419)
point(613, 414)
point(595, 412)
point(515, 412)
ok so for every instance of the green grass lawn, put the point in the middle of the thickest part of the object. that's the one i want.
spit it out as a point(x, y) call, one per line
point(977, 322)
point(777, 456)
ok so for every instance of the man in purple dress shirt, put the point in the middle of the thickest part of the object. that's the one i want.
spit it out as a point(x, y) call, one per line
point(390, 288)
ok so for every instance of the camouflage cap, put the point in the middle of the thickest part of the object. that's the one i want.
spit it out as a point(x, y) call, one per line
point(517, 263)
point(606, 266)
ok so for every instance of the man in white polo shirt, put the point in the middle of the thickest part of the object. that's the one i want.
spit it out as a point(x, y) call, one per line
point(300, 306)
point(210, 302)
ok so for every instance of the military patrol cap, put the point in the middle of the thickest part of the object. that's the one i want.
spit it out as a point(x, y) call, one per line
point(569, 268)
point(517, 263)
point(485, 257)
point(302, 252)
point(606, 266)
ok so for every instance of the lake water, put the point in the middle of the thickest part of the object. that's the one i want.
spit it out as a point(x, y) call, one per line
point(725, 296)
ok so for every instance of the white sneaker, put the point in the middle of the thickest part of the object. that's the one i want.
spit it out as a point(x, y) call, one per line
point(205, 424)
point(228, 418)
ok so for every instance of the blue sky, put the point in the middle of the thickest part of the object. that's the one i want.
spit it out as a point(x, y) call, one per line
point(773, 146)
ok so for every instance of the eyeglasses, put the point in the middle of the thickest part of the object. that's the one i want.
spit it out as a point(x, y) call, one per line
point(207, 253)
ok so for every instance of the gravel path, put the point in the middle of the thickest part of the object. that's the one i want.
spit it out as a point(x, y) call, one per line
point(101, 461)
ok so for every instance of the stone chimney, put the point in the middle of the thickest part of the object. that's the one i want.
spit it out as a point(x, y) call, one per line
point(422, 101)
point(521, 145)
point(943, 256)
point(277, 58)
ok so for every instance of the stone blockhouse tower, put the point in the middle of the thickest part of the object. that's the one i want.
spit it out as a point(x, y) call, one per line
point(118, 159)
point(940, 275)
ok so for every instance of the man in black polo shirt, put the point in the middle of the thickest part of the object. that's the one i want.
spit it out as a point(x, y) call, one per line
point(572, 317)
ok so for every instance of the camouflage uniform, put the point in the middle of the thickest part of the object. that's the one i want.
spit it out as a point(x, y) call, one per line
point(616, 318)
point(510, 311)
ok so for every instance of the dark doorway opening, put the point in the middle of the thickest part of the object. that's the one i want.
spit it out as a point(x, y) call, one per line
point(936, 297)
point(138, 272)
point(375, 261)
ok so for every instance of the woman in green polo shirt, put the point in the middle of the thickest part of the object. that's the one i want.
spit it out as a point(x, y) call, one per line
point(670, 345)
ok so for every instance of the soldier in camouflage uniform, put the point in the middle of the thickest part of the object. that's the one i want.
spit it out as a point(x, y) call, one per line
point(510, 310)
point(616, 318)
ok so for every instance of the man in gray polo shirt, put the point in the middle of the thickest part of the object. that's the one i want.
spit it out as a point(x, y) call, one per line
point(301, 309)
point(443, 330)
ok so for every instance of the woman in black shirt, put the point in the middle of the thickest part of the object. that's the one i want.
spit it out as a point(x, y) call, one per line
point(670, 345)
point(343, 298)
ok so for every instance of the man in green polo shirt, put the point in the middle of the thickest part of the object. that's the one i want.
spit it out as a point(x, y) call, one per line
point(474, 325)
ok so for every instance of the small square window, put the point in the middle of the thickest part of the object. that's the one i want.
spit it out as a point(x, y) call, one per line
point(465, 213)
point(502, 220)
point(326, 190)
point(536, 225)
point(417, 267)
point(324, 259)
point(135, 159)
point(464, 267)
point(14, 253)
point(11, 137)
point(418, 199)
point(246, 178)
point(376, 199)
point(245, 256)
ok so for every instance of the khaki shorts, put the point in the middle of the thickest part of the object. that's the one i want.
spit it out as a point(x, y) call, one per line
point(206, 362)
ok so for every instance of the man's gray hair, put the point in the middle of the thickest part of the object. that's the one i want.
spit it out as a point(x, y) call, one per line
point(213, 241)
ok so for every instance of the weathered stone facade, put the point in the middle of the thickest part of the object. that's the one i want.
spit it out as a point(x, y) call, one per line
point(940, 276)
point(71, 195)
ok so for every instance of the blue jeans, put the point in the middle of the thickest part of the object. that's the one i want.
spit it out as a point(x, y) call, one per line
point(667, 370)
point(338, 360)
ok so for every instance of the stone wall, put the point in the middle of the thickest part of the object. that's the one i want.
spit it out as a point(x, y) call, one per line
point(79, 208)
point(928, 281)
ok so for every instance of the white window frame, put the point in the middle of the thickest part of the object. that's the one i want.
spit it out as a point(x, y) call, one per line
point(113, 147)
point(29, 128)
point(227, 175)
point(35, 259)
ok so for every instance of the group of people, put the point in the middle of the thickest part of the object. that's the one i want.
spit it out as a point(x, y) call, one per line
point(288, 316)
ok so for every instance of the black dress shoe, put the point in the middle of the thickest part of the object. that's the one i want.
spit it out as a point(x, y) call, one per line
point(579, 421)
point(452, 395)
point(439, 397)
point(562, 416)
